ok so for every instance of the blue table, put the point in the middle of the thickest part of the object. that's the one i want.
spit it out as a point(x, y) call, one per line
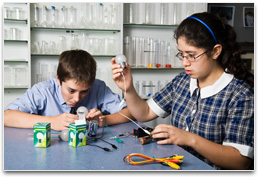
point(20, 153)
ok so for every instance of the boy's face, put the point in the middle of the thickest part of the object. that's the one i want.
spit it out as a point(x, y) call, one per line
point(72, 92)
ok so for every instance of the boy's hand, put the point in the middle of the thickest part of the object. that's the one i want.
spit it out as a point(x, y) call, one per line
point(62, 121)
point(96, 114)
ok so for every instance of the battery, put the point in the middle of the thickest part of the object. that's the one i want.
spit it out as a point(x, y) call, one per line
point(92, 128)
point(145, 140)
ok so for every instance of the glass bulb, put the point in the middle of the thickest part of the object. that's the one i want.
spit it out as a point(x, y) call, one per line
point(82, 112)
point(121, 59)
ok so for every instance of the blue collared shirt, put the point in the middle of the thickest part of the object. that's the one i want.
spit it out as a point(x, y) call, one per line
point(222, 113)
point(45, 99)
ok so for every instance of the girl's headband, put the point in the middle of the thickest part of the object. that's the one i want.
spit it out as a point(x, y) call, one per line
point(195, 18)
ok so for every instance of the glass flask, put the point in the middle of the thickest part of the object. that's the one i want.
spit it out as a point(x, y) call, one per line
point(53, 17)
point(74, 42)
point(44, 22)
point(63, 17)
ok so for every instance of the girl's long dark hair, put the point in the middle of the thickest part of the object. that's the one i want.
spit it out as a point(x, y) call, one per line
point(198, 35)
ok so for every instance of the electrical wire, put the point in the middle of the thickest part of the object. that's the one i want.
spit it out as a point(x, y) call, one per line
point(104, 148)
point(170, 161)
point(146, 131)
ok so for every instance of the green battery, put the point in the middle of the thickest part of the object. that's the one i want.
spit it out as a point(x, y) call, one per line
point(41, 134)
point(77, 135)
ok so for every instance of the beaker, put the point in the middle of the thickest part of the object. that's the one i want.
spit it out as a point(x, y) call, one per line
point(62, 44)
point(14, 33)
point(44, 47)
point(18, 13)
point(84, 42)
point(21, 78)
point(7, 76)
point(52, 47)
point(7, 13)
point(74, 42)
point(35, 20)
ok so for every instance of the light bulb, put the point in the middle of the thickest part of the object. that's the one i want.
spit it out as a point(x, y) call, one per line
point(82, 112)
point(121, 59)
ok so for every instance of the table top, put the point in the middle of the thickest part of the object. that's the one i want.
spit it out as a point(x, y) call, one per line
point(20, 153)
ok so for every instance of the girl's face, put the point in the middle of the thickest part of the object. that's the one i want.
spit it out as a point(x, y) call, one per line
point(203, 68)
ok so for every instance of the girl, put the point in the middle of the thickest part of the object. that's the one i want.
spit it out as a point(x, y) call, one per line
point(211, 104)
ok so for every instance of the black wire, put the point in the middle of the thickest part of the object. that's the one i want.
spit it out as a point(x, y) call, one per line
point(113, 146)
point(104, 148)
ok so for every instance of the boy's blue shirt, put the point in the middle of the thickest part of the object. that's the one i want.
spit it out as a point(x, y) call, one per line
point(45, 99)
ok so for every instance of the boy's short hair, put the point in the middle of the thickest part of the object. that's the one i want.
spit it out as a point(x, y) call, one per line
point(78, 65)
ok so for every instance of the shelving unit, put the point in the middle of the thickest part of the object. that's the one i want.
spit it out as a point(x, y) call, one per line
point(16, 50)
point(30, 57)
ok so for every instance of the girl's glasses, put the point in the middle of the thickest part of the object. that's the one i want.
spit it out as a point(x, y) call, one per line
point(189, 57)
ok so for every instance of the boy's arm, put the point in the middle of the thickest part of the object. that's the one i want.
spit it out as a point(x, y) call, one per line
point(13, 118)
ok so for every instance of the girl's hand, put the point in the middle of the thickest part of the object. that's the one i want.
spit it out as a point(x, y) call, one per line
point(171, 135)
point(118, 78)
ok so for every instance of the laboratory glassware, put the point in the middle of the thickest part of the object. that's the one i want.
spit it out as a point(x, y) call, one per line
point(127, 49)
point(152, 53)
point(18, 13)
point(168, 59)
point(147, 52)
point(72, 17)
point(14, 33)
point(148, 13)
point(53, 17)
point(63, 17)
point(62, 44)
point(163, 13)
point(7, 75)
point(21, 78)
point(35, 20)
point(7, 13)
point(114, 16)
point(106, 16)
point(74, 42)
point(44, 22)
point(82, 22)
point(52, 47)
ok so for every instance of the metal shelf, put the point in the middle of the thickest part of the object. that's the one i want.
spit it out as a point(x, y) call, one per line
point(16, 21)
point(72, 30)
point(154, 68)
point(150, 26)
point(108, 55)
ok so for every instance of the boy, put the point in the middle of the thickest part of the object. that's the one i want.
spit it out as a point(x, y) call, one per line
point(56, 100)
